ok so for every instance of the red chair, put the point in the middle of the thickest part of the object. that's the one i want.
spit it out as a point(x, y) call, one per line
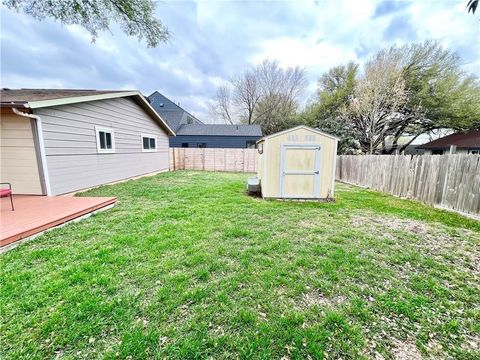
point(7, 192)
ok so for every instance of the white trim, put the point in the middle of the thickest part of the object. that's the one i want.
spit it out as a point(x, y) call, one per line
point(78, 99)
point(97, 136)
point(334, 168)
point(148, 136)
point(41, 145)
point(297, 128)
point(155, 114)
point(264, 169)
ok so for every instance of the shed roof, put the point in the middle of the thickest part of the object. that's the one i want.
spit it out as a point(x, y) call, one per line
point(220, 130)
point(41, 98)
point(297, 128)
point(469, 139)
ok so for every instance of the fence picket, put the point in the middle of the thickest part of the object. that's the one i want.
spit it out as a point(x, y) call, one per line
point(450, 181)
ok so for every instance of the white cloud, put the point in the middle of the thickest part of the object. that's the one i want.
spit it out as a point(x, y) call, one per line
point(211, 41)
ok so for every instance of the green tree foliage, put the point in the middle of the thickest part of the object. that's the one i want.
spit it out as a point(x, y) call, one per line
point(438, 93)
point(135, 17)
point(335, 89)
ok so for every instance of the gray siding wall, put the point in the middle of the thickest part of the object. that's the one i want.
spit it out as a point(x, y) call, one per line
point(238, 142)
point(71, 148)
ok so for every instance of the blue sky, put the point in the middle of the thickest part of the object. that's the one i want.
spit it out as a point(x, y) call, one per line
point(212, 40)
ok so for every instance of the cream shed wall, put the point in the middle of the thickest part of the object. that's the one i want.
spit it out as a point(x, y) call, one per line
point(71, 149)
point(19, 161)
point(269, 170)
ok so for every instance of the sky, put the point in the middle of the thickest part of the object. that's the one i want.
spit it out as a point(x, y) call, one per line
point(213, 40)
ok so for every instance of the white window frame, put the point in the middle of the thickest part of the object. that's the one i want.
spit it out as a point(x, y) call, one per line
point(149, 136)
point(98, 129)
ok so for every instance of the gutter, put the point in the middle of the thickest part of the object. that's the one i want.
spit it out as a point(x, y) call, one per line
point(41, 144)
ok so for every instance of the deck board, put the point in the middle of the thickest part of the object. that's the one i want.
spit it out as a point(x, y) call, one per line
point(34, 214)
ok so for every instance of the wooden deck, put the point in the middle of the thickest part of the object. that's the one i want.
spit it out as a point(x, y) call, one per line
point(34, 214)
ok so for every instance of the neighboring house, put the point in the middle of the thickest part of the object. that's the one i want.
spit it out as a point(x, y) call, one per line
point(217, 136)
point(60, 141)
point(191, 132)
point(173, 114)
point(459, 143)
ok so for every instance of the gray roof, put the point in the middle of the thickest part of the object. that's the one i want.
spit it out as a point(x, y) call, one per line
point(220, 130)
point(173, 118)
point(172, 113)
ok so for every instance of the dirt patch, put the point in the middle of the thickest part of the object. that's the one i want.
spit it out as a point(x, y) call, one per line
point(316, 298)
point(459, 247)
point(406, 351)
point(412, 226)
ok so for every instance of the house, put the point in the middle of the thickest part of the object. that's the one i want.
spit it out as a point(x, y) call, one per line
point(459, 143)
point(60, 141)
point(192, 132)
point(217, 136)
point(172, 113)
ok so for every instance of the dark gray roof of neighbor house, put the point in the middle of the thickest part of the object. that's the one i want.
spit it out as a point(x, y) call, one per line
point(220, 130)
point(173, 118)
point(171, 112)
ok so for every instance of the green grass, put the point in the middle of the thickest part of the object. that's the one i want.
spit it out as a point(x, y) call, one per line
point(188, 266)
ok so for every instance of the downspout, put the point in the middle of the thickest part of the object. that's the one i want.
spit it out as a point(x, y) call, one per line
point(41, 144)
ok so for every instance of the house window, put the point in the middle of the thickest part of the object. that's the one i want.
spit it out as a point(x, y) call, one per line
point(251, 144)
point(437, 152)
point(149, 143)
point(474, 151)
point(105, 140)
point(201, 145)
point(184, 144)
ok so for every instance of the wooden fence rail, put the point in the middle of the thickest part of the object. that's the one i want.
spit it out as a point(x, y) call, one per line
point(213, 159)
point(448, 181)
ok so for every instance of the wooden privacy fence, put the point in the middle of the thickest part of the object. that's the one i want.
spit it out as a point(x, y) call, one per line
point(213, 159)
point(449, 181)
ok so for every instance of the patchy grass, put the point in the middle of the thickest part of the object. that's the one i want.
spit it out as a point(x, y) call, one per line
point(188, 266)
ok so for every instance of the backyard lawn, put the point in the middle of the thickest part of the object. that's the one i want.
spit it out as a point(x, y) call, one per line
point(188, 266)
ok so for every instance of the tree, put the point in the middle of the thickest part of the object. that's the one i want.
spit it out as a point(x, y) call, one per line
point(379, 96)
point(222, 104)
point(404, 92)
point(266, 94)
point(440, 94)
point(472, 5)
point(135, 17)
point(246, 94)
point(335, 89)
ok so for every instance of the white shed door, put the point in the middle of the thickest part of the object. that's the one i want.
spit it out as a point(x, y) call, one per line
point(300, 171)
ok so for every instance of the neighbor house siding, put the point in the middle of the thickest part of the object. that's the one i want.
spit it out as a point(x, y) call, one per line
point(212, 141)
point(19, 165)
point(71, 148)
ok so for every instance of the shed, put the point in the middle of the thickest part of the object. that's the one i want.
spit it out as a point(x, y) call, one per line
point(297, 163)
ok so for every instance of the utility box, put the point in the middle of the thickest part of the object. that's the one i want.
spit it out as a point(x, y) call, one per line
point(297, 163)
